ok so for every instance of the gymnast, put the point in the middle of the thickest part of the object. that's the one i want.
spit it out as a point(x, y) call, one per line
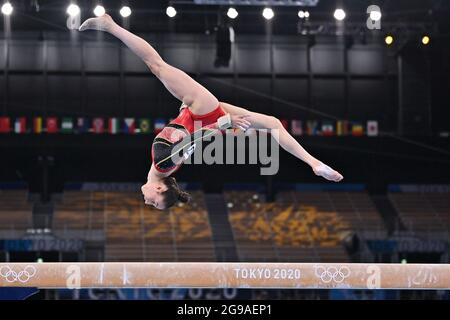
point(198, 105)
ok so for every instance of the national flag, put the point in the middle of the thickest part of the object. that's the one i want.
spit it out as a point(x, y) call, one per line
point(159, 125)
point(113, 126)
point(144, 126)
point(67, 125)
point(81, 125)
point(52, 125)
point(5, 125)
point(372, 128)
point(37, 125)
point(98, 125)
point(327, 128)
point(129, 125)
point(357, 129)
point(342, 128)
point(296, 127)
point(20, 126)
point(312, 128)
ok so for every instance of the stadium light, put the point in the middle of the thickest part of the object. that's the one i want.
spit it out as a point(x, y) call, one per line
point(375, 15)
point(232, 13)
point(125, 11)
point(171, 12)
point(339, 14)
point(389, 40)
point(426, 40)
point(268, 13)
point(7, 9)
point(73, 10)
point(303, 14)
point(99, 11)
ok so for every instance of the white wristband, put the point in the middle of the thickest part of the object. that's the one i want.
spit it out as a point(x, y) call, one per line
point(224, 122)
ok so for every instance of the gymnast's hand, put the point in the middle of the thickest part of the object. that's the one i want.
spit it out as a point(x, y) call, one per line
point(240, 122)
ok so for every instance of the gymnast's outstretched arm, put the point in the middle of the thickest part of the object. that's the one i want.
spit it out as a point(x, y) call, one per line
point(286, 141)
point(177, 82)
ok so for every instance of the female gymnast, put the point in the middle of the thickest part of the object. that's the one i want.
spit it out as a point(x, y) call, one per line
point(198, 105)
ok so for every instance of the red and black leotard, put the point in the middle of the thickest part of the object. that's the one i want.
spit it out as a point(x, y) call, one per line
point(165, 143)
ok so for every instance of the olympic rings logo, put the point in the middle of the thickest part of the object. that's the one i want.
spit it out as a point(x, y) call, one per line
point(328, 274)
point(22, 276)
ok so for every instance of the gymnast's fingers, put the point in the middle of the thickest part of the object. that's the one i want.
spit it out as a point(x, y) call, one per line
point(248, 123)
point(243, 119)
point(242, 124)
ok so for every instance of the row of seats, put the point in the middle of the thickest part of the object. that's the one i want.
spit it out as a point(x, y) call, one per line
point(298, 226)
point(15, 210)
point(285, 230)
point(418, 211)
point(82, 210)
point(423, 212)
point(136, 232)
point(355, 209)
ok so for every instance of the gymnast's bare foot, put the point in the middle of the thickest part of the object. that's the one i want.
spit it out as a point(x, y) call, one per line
point(325, 171)
point(102, 23)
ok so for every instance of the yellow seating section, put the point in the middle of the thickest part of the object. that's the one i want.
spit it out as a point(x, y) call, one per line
point(136, 232)
point(298, 226)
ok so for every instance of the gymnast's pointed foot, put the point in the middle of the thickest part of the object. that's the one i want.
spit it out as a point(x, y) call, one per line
point(325, 171)
point(102, 23)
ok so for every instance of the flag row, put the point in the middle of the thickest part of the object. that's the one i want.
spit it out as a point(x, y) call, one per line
point(68, 125)
point(332, 128)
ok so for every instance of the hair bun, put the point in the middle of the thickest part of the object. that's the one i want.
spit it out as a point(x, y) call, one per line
point(184, 197)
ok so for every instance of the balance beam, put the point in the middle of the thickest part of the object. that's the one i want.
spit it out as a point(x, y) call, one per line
point(226, 275)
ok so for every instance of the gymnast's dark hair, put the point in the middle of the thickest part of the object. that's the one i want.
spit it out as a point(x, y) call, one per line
point(173, 194)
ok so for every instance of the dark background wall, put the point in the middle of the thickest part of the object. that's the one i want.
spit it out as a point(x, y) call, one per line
point(103, 78)
point(62, 73)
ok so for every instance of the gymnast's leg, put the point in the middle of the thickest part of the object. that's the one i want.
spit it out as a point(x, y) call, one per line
point(177, 82)
point(286, 141)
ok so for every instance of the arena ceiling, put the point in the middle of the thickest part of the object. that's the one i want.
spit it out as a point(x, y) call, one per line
point(150, 16)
